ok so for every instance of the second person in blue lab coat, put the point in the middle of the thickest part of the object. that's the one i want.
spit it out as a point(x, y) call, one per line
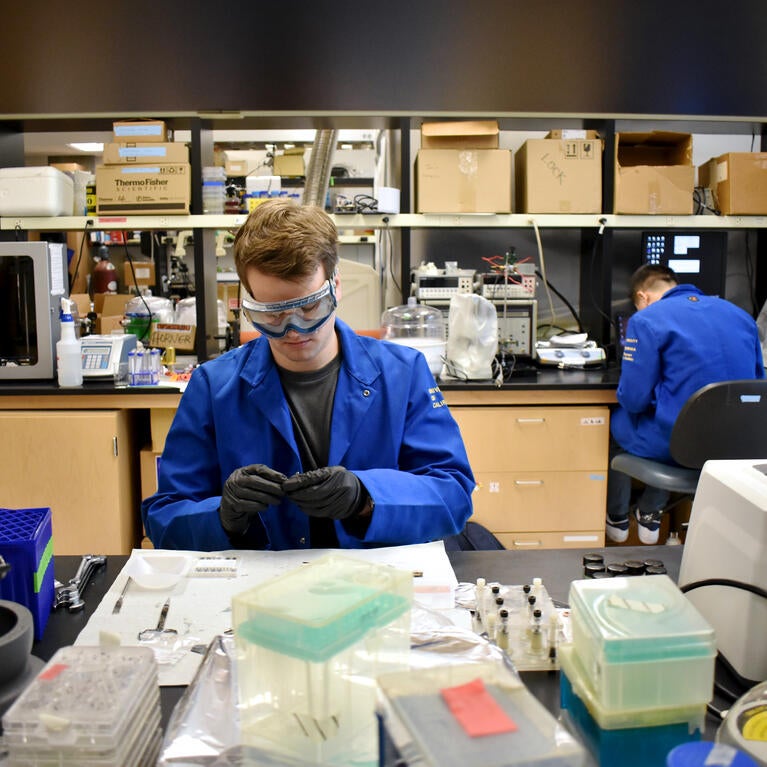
point(309, 436)
point(678, 341)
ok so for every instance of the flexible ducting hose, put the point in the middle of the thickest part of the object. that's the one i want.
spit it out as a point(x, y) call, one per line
point(320, 164)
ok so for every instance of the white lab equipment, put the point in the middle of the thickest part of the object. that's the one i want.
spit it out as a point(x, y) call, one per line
point(727, 539)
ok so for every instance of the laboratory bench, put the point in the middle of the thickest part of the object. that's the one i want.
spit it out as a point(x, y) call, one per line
point(538, 447)
point(556, 569)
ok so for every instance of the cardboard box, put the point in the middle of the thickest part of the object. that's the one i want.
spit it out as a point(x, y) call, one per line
point(572, 133)
point(291, 163)
point(463, 181)
point(160, 420)
point(558, 176)
point(139, 130)
point(467, 134)
point(654, 173)
point(111, 303)
point(144, 273)
point(738, 182)
point(150, 465)
point(138, 189)
point(132, 152)
point(106, 324)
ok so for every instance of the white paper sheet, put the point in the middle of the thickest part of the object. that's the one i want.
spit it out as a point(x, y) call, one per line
point(200, 605)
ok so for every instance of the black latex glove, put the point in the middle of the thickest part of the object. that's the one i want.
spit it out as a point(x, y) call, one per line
point(332, 492)
point(248, 491)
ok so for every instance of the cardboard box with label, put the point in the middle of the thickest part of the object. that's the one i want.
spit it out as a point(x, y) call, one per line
point(139, 130)
point(133, 152)
point(738, 182)
point(138, 189)
point(463, 175)
point(654, 173)
point(142, 273)
point(559, 175)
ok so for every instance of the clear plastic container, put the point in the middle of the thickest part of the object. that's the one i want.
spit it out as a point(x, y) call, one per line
point(142, 311)
point(417, 726)
point(310, 645)
point(642, 643)
point(418, 326)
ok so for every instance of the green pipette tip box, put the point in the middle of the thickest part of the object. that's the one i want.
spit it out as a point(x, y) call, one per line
point(321, 608)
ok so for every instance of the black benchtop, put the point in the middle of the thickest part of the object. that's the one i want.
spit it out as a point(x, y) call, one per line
point(546, 378)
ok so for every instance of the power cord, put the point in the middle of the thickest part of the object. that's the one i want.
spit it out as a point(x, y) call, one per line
point(129, 259)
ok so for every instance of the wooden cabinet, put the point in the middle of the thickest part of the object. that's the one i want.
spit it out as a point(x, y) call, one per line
point(541, 472)
point(81, 464)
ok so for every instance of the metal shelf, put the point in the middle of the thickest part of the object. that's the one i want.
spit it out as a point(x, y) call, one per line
point(394, 221)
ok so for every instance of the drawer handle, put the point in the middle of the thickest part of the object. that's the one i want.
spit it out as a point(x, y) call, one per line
point(528, 481)
point(531, 420)
point(527, 543)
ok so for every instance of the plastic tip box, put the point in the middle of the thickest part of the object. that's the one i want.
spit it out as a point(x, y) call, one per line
point(642, 644)
point(26, 544)
point(310, 644)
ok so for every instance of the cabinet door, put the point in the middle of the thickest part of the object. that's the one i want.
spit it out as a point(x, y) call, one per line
point(544, 501)
point(565, 438)
point(541, 472)
point(78, 463)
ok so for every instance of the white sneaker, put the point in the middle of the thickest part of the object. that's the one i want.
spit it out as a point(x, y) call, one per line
point(617, 530)
point(648, 526)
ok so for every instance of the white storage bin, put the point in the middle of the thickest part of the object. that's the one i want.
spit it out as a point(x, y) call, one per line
point(35, 191)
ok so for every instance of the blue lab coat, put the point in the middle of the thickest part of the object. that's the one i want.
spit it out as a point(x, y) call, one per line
point(390, 426)
point(674, 347)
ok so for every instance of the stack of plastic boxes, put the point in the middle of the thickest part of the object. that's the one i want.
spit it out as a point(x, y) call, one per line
point(637, 677)
point(89, 706)
point(26, 544)
point(309, 647)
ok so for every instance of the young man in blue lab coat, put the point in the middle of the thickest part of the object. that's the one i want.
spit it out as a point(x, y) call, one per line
point(309, 436)
point(678, 341)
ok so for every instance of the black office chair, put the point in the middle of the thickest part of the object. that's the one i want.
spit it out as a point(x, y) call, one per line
point(720, 421)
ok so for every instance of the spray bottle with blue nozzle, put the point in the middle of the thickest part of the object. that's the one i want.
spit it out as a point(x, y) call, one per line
point(69, 363)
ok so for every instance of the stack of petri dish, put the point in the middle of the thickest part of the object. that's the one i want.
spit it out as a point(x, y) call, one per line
point(89, 705)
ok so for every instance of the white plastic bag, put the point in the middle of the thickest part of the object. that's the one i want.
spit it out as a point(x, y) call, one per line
point(472, 338)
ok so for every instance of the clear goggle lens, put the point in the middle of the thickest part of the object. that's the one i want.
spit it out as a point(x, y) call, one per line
point(304, 315)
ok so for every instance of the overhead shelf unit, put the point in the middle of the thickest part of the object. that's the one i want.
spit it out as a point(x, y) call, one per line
point(405, 127)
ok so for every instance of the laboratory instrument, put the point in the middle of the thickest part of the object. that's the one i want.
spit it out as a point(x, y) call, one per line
point(33, 279)
point(102, 355)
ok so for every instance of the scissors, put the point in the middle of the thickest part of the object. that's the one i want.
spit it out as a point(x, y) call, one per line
point(147, 635)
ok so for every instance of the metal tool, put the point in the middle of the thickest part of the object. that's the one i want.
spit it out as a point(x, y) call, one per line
point(147, 635)
point(70, 595)
point(119, 603)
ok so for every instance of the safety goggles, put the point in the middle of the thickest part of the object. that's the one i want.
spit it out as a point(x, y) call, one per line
point(304, 315)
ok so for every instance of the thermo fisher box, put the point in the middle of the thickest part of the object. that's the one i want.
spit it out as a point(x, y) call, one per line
point(642, 643)
point(26, 544)
point(309, 646)
point(35, 191)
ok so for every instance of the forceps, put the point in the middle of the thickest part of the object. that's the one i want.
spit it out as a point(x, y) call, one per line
point(147, 635)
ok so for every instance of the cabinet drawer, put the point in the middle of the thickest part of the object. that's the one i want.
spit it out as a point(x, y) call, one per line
point(518, 439)
point(592, 539)
point(541, 501)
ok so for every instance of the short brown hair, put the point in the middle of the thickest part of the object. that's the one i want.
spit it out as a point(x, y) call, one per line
point(286, 240)
point(648, 276)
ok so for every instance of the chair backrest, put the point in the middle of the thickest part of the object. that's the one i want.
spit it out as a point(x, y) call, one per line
point(721, 421)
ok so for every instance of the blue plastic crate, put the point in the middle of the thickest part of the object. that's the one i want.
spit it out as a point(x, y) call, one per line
point(624, 747)
point(26, 544)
